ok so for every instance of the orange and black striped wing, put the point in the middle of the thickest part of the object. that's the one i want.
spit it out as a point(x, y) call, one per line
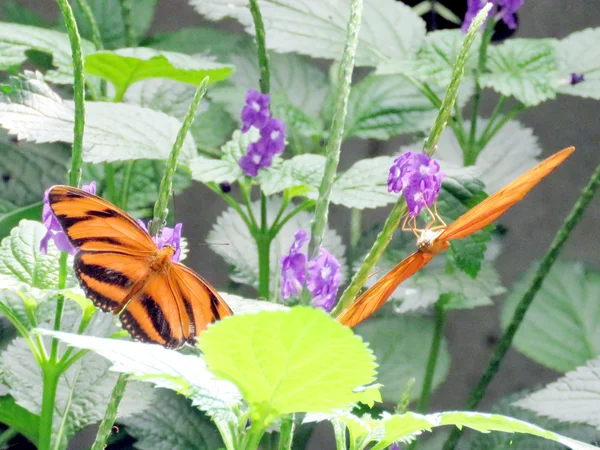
point(93, 224)
point(201, 301)
point(494, 206)
point(375, 297)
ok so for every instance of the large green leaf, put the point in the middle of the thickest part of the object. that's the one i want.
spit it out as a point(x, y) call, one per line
point(523, 68)
point(389, 30)
point(401, 346)
point(16, 40)
point(299, 360)
point(19, 419)
point(562, 327)
point(302, 172)
point(18, 13)
point(579, 53)
point(10, 219)
point(113, 131)
point(126, 66)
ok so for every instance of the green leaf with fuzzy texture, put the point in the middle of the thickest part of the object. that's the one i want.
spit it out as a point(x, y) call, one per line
point(562, 327)
point(30, 109)
point(16, 40)
point(579, 53)
point(299, 360)
point(523, 68)
point(126, 66)
point(401, 346)
point(10, 219)
point(302, 172)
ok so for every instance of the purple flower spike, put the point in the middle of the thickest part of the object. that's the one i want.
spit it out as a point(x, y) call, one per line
point(256, 111)
point(273, 136)
point(256, 158)
point(418, 177)
point(167, 236)
point(576, 78)
point(324, 279)
point(293, 266)
point(505, 9)
point(53, 229)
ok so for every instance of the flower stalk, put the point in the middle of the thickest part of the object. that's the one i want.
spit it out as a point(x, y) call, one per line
point(127, 23)
point(111, 413)
point(166, 184)
point(261, 48)
point(534, 286)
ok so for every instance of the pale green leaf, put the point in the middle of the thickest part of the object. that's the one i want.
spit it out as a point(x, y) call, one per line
point(562, 327)
point(302, 171)
point(16, 40)
point(18, 13)
point(172, 423)
point(401, 346)
point(241, 253)
point(126, 66)
point(113, 131)
point(240, 305)
point(579, 53)
point(523, 68)
point(389, 30)
point(299, 360)
point(364, 185)
point(21, 259)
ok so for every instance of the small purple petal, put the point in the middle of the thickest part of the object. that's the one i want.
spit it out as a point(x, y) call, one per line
point(256, 112)
point(576, 78)
point(293, 266)
point(273, 136)
point(256, 158)
point(168, 236)
point(324, 279)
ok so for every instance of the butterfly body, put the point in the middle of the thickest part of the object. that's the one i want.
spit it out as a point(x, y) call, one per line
point(123, 271)
point(428, 242)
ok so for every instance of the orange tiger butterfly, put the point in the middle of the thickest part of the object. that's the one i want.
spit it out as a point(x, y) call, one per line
point(123, 271)
point(433, 240)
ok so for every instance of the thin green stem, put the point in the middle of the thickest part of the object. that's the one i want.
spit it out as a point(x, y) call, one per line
point(231, 202)
point(510, 114)
point(7, 312)
point(78, 91)
point(60, 303)
point(50, 380)
point(339, 431)
point(245, 190)
point(127, 23)
point(109, 179)
point(355, 231)
point(166, 184)
point(264, 226)
point(89, 17)
point(286, 433)
point(301, 207)
point(457, 74)
point(6, 437)
point(111, 413)
point(284, 204)
point(470, 155)
point(263, 245)
point(493, 117)
point(126, 183)
point(255, 433)
point(534, 286)
point(336, 133)
point(261, 48)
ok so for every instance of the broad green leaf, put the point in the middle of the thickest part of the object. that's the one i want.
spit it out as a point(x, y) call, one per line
point(401, 346)
point(562, 327)
point(16, 40)
point(299, 360)
point(389, 30)
point(21, 259)
point(113, 131)
point(172, 423)
point(242, 254)
point(19, 419)
point(185, 374)
point(29, 169)
point(126, 66)
point(11, 219)
point(303, 172)
point(572, 398)
point(296, 120)
point(435, 60)
point(108, 16)
point(506, 407)
point(510, 153)
point(17, 13)
point(404, 425)
point(240, 305)
point(364, 185)
point(196, 40)
point(212, 128)
point(578, 53)
point(523, 68)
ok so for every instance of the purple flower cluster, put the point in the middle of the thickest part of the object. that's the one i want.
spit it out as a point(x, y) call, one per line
point(504, 9)
point(53, 229)
point(324, 275)
point(256, 113)
point(168, 236)
point(419, 179)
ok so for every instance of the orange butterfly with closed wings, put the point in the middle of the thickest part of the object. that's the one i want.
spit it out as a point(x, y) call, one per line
point(435, 239)
point(123, 271)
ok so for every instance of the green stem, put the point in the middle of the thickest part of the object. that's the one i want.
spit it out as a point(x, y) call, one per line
point(6, 437)
point(301, 207)
point(511, 113)
point(111, 413)
point(78, 91)
point(263, 245)
point(255, 433)
point(245, 190)
point(89, 17)
point(261, 48)
point(355, 230)
point(50, 379)
point(127, 23)
point(286, 433)
point(470, 154)
point(339, 431)
point(434, 351)
point(336, 134)
point(109, 179)
point(230, 201)
point(457, 74)
point(534, 286)
point(60, 303)
point(166, 184)
point(126, 183)
point(495, 113)
point(37, 353)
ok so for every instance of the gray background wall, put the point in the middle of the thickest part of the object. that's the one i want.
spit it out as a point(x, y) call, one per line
point(532, 225)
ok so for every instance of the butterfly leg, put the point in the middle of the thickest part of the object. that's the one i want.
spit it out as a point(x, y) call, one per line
point(408, 226)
